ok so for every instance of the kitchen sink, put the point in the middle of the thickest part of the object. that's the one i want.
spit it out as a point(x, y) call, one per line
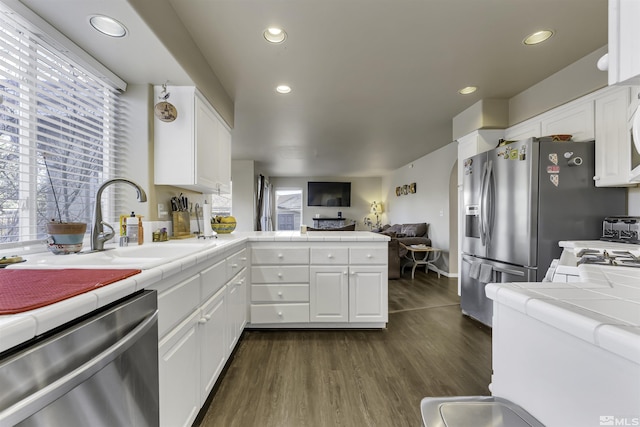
point(142, 257)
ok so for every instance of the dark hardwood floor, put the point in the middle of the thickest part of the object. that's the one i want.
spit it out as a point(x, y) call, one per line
point(357, 378)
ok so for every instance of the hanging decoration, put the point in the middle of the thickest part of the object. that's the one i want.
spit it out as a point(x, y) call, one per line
point(164, 110)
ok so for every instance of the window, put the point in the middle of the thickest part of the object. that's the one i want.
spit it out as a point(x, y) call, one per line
point(288, 208)
point(58, 136)
point(221, 204)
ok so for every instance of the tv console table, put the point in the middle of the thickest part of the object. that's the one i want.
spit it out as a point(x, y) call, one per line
point(330, 222)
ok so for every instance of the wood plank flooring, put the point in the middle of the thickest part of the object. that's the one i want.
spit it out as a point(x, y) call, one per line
point(357, 378)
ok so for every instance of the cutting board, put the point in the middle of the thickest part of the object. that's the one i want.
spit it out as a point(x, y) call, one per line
point(22, 290)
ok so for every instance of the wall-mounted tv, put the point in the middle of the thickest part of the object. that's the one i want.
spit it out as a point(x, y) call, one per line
point(328, 193)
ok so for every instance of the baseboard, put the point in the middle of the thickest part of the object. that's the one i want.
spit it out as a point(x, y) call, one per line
point(443, 273)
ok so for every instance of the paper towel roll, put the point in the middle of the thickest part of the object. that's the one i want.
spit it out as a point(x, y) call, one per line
point(206, 219)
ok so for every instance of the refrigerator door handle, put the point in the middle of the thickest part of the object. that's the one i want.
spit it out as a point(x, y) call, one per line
point(483, 204)
point(509, 271)
point(488, 218)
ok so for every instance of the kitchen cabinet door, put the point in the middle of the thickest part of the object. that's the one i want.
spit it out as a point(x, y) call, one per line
point(237, 309)
point(329, 294)
point(213, 342)
point(613, 154)
point(624, 42)
point(368, 294)
point(575, 119)
point(206, 146)
point(179, 369)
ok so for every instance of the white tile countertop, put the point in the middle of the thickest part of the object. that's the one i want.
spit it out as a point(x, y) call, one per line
point(603, 309)
point(17, 328)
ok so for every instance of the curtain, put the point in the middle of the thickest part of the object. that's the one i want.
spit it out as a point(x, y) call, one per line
point(264, 203)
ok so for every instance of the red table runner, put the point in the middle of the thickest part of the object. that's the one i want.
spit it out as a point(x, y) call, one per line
point(22, 289)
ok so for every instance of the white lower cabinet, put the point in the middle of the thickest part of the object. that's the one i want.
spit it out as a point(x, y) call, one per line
point(368, 294)
point(329, 289)
point(236, 309)
point(196, 340)
point(316, 284)
point(213, 349)
point(179, 362)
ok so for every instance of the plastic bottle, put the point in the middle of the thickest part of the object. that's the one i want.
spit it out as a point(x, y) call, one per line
point(132, 228)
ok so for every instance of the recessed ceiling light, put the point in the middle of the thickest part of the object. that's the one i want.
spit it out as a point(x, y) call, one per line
point(108, 26)
point(274, 35)
point(283, 89)
point(537, 37)
point(467, 90)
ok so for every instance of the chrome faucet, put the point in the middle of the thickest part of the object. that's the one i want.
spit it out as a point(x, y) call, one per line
point(98, 236)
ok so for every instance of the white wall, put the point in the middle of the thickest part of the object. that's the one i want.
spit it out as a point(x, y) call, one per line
point(243, 204)
point(363, 192)
point(430, 203)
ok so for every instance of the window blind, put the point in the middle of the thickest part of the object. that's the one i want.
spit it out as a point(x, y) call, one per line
point(58, 137)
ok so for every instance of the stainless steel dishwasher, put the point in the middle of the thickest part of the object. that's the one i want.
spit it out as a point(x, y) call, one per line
point(101, 370)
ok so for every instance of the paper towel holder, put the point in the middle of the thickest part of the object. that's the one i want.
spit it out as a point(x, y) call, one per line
point(207, 231)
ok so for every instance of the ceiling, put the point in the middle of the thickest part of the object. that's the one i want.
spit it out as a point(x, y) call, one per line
point(374, 82)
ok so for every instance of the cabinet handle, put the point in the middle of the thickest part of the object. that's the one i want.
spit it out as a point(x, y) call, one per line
point(596, 178)
point(202, 321)
point(207, 316)
point(280, 256)
point(280, 293)
point(344, 273)
point(369, 256)
point(280, 275)
point(243, 259)
point(330, 256)
point(234, 265)
point(279, 314)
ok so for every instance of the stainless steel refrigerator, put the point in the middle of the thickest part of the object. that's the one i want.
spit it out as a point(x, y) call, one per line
point(520, 200)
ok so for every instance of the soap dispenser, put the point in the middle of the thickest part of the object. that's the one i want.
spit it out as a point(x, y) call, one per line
point(132, 228)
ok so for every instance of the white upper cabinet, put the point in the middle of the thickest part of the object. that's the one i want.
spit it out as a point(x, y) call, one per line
point(194, 150)
point(613, 160)
point(575, 119)
point(624, 42)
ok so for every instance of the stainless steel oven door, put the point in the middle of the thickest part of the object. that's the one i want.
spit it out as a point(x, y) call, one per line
point(100, 371)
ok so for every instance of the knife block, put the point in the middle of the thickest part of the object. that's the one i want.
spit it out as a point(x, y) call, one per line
point(181, 224)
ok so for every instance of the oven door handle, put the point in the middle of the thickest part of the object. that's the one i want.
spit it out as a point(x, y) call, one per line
point(40, 399)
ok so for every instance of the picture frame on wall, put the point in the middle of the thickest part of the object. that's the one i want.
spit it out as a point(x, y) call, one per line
point(398, 191)
point(412, 187)
point(405, 189)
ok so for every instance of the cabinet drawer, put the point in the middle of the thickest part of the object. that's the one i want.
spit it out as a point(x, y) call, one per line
point(213, 278)
point(236, 262)
point(280, 274)
point(280, 313)
point(276, 255)
point(329, 256)
point(368, 255)
point(177, 302)
point(280, 293)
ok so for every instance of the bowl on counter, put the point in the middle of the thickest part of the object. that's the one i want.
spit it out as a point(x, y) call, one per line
point(223, 227)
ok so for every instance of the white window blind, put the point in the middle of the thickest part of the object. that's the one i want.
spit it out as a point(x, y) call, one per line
point(51, 110)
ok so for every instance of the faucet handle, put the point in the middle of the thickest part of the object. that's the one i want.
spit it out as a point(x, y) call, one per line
point(110, 234)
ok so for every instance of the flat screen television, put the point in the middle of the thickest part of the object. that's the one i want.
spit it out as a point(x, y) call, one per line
point(328, 193)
